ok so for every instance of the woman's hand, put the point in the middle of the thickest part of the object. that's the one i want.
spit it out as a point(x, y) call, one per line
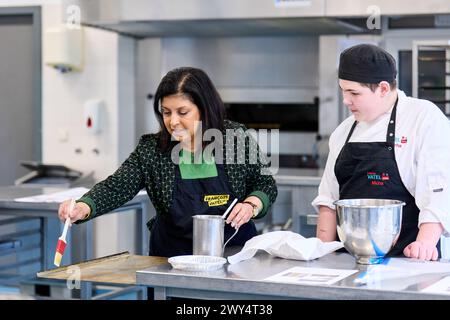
point(242, 212)
point(80, 212)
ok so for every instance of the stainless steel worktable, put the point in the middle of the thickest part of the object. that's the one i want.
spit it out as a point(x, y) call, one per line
point(244, 280)
point(81, 235)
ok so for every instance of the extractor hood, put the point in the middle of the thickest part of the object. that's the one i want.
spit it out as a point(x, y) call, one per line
point(232, 27)
point(162, 18)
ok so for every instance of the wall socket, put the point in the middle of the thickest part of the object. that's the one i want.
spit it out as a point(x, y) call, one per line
point(63, 135)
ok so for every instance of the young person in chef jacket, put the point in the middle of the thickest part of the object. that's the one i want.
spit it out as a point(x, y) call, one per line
point(200, 182)
point(391, 147)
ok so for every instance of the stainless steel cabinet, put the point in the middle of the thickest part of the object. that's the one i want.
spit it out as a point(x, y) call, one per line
point(296, 193)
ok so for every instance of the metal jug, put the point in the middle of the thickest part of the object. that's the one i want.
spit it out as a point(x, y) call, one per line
point(208, 235)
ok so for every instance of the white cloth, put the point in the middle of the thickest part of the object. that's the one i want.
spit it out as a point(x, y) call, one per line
point(422, 152)
point(285, 244)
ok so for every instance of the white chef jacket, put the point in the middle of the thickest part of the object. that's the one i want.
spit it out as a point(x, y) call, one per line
point(422, 152)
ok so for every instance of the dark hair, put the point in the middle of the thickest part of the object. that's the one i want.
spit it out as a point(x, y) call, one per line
point(374, 86)
point(195, 85)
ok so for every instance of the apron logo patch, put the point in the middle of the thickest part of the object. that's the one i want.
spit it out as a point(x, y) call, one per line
point(215, 200)
point(377, 179)
point(400, 141)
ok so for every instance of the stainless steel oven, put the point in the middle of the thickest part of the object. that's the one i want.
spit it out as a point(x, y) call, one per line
point(295, 122)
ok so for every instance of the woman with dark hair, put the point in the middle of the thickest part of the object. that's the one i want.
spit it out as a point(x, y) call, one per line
point(181, 175)
point(195, 86)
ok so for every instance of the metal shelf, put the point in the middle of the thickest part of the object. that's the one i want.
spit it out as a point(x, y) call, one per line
point(434, 88)
point(440, 101)
point(429, 59)
point(432, 58)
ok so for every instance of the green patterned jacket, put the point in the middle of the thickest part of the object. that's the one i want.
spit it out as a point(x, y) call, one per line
point(147, 167)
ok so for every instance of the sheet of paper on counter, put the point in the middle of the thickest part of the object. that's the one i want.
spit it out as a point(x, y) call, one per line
point(316, 276)
point(56, 196)
point(441, 287)
point(60, 196)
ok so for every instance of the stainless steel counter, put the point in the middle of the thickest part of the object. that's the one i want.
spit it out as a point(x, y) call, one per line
point(80, 243)
point(245, 280)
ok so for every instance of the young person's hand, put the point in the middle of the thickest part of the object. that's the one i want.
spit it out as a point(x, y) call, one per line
point(422, 251)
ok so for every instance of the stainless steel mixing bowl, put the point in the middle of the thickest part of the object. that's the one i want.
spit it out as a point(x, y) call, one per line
point(368, 228)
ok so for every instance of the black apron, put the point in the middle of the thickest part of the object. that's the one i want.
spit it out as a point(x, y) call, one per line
point(369, 170)
point(171, 234)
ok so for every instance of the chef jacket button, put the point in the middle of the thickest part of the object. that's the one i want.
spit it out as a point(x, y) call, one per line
point(389, 148)
point(391, 134)
point(392, 121)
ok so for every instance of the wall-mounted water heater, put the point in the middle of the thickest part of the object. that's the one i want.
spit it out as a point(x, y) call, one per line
point(63, 48)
